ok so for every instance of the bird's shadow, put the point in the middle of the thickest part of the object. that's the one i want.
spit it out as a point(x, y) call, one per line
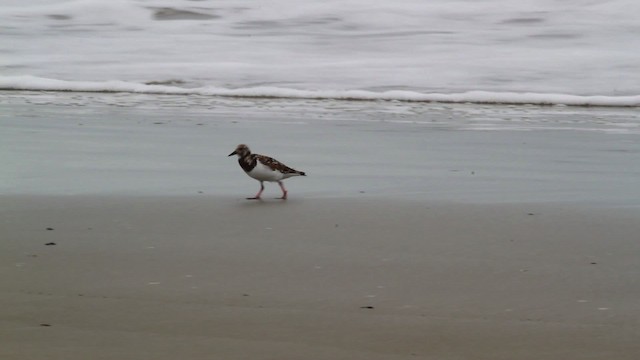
point(269, 202)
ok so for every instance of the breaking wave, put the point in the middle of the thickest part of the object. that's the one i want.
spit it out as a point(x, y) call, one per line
point(32, 83)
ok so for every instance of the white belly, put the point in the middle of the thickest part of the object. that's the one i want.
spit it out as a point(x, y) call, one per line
point(264, 173)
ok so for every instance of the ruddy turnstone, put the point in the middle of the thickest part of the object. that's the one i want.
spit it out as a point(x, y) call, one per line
point(264, 168)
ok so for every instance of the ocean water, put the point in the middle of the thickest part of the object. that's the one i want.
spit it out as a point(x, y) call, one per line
point(569, 52)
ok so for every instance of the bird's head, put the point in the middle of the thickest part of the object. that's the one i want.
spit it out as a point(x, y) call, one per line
point(241, 150)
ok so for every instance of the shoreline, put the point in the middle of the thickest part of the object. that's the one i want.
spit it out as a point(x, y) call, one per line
point(66, 144)
point(435, 232)
point(35, 84)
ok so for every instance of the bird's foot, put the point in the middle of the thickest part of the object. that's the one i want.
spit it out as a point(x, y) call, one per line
point(254, 198)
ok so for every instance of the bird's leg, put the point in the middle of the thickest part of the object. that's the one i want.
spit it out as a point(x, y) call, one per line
point(284, 191)
point(257, 197)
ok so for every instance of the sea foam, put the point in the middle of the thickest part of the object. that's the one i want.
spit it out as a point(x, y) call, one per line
point(492, 51)
point(480, 97)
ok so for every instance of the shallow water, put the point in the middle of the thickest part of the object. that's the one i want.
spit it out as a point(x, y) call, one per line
point(77, 143)
point(488, 117)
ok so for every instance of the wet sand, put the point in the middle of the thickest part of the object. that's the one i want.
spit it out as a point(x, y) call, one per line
point(220, 277)
point(421, 231)
point(136, 144)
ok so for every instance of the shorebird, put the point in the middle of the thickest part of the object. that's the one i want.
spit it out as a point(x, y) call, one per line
point(264, 168)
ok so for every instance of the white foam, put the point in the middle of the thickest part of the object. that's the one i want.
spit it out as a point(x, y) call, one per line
point(481, 97)
point(79, 12)
point(442, 50)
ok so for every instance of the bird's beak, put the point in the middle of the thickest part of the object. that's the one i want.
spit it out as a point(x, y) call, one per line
point(233, 153)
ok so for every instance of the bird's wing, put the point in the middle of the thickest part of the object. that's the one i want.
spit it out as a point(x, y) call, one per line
point(275, 165)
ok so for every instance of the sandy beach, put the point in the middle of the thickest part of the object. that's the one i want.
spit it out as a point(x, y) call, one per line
point(210, 277)
point(472, 187)
point(125, 233)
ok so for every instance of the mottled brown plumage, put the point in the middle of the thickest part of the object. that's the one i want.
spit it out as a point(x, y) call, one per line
point(264, 168)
